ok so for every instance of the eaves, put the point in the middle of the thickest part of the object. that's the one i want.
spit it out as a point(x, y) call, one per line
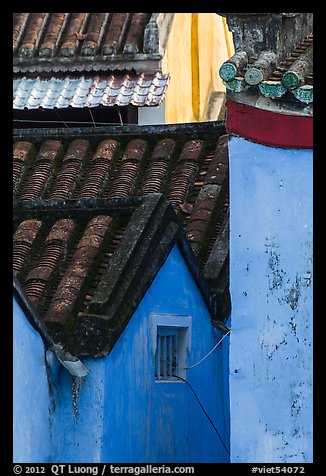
point(150, 63)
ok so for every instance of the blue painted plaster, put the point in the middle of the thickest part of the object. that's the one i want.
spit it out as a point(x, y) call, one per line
point(271, 293)
point(120, 414)
point(32, 404)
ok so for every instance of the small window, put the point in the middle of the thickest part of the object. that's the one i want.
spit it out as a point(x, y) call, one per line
point(171, 342)
point(166, 356)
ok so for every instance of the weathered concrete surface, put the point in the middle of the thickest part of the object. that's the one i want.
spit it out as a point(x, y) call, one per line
point(259, 32)
point(271, 295)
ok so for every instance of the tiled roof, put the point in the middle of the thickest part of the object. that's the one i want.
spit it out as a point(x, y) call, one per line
point(78, 41)
point(85, 265)
point(191, 171)
point(59, 261)
point(114, 90)
point(289, 78)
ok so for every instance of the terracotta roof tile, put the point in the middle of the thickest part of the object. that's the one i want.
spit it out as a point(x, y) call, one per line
point(65, 181)
point(191, 173)
point(106, 45)
point(125, 180)
point(19, 21)
point(52, 35)
point(32, 34)
point(70, 39)
point(53, 39)
point(115, 33)
point(158, 167)
point(133, 41)
point(211, 201)
point(23, 240)
point(55, 247)
point(185, 173)
point(97, 175)
point(72, 282)
point(191, 150)
point(93, 36)
point(41, 172)
point(20, 154)
point(59, 262)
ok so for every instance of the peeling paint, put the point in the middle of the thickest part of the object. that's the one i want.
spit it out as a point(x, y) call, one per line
point(307, 278)
point(279, 279)
point(271, 294)
point(75, 389)
point(275, 273)
point(296, 404)
point(293, 295)
point(293, 325)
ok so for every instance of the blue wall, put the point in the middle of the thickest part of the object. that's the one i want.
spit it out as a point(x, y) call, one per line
point(271, 293)
point(119, 413)
point(31, 397)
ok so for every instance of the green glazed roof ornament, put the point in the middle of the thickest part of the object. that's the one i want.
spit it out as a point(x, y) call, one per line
point(227, 71)
point(304, 94)
point(291, 80)
point(272, 89)
point(236, 85)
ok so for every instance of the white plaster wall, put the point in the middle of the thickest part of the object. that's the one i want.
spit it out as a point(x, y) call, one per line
point(151, 115)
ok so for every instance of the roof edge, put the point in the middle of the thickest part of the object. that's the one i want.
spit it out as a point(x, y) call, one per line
point(134, 273)
point(277, 105)
point(69, 361)
point(31, 313)
point(269, 127)
point(201, 128)
point(152, 231)
point(147, 63)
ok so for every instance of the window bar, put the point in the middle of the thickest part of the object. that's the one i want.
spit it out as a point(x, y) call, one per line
point(174, 355)
point(166, 357)
point(158, 358)
point(169, 356)
point(163, 366)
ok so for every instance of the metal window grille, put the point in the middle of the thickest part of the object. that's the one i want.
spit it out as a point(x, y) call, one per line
point(166, 356)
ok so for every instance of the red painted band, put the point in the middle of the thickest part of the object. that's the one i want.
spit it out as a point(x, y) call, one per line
point(269, 128)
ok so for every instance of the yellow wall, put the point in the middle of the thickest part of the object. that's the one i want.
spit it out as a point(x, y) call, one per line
point(177, 62)
point(198, 44)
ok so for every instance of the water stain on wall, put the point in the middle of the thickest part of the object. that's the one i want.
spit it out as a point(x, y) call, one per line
point(292, 296)
point(276, 275)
